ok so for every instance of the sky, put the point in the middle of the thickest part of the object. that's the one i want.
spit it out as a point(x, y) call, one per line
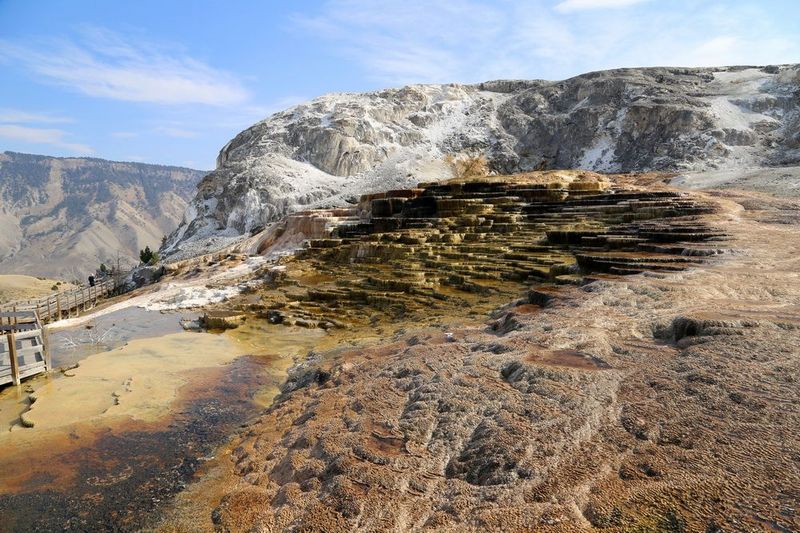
point(170, 82)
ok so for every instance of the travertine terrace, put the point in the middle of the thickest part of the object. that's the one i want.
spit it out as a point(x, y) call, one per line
point(634, 368)
point(465, 247)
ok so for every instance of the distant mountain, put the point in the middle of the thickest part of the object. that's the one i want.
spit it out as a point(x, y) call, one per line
point(63, 216)
point(330, 150)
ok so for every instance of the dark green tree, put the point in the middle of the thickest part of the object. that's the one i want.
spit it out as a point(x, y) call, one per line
point(146, 255)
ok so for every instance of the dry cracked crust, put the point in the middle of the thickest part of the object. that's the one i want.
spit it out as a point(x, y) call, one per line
point(661, 402)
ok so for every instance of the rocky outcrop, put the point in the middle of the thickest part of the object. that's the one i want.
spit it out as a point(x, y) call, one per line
point(665, 401)
point(331, 150)
point(64, 216)
point(467, 247)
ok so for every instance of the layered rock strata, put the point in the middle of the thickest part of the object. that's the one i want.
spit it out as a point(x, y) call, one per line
point(464, 247)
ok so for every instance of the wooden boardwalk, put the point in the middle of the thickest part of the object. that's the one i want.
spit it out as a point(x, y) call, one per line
point(64, 304)
point(23, 336)
point(23, 346)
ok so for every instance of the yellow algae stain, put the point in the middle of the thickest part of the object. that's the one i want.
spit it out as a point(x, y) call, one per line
point(142, 387)
point(259, 337)
point(139, 380)
point(281, 346)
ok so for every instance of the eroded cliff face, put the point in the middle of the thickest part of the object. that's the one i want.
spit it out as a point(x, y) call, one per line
point(328, 151)
point(64, 216)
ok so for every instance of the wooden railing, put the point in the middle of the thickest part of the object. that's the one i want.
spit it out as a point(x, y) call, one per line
point(23, 346)
point(23, 337)
point(64, 304)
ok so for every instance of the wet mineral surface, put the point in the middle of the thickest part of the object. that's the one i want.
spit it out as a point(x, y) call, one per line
point(104, 444)
point(637, 371)
point(551, 351)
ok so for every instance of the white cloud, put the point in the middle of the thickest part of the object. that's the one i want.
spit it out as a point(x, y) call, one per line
point(730, 50)
point(103, 64)
point(414, 41)
point(235, 120)
point(410, 41)
point(18, 116)
point(51, 137)
point(568, 6)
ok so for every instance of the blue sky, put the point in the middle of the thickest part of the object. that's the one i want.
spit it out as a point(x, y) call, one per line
point(171, 82)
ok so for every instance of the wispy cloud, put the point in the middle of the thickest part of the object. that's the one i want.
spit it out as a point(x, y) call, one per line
point(15, 125)
point(579, 5)
point(105, 64)
point(415, 41)
point(53, 137)
point(408, 41)
point(172, 131)
point(254, 113)
point(18, 116)
point(233, 120)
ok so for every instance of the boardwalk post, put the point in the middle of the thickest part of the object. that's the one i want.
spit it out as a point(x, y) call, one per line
point(49, 313)
point(12, 353)
point(48, 362)
point(58, 305)
point(14, 309)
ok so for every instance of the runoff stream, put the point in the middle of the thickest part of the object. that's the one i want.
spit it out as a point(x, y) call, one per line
point(138, 406)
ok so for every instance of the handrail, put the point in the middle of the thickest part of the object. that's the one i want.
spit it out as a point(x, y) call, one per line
point(26, 349)
point(55, 304)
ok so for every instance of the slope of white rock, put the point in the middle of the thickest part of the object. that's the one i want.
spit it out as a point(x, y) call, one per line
point(329, 151)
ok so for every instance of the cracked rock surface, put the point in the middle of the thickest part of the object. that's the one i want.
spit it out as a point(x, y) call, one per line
point(333, 149)
point(665, 401)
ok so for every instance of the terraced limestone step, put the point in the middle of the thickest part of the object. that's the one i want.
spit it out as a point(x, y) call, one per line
point(468, 246)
